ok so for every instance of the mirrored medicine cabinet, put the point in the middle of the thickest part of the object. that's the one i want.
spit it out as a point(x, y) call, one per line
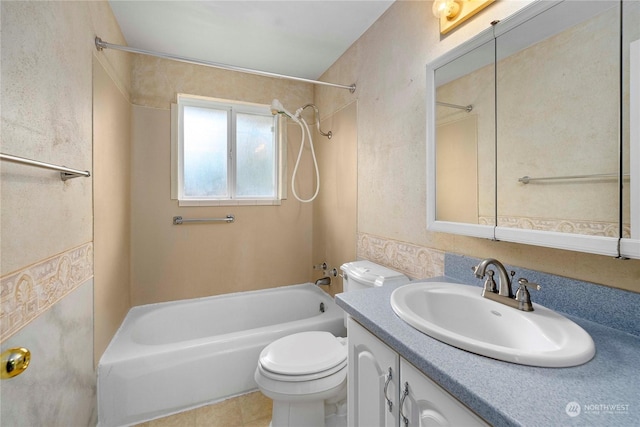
point(533, 130)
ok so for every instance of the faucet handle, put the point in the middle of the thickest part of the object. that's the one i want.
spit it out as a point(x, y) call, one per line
point(524, 283)
point(522, 295)
point(490, 284)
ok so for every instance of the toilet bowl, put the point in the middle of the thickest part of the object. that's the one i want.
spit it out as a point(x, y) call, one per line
point(299, 373)
point(305, 374)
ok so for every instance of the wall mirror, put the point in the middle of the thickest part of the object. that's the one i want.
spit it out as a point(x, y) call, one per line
point(630, 242)
point(530, 130)
point(463, 127)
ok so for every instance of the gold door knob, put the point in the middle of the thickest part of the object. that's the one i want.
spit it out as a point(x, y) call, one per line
point(14, 362)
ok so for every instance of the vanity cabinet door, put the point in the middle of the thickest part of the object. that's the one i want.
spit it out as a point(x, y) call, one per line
point(426, 404)
point(372, 393)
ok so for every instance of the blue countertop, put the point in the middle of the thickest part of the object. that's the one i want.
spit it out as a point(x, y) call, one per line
point(605, 390)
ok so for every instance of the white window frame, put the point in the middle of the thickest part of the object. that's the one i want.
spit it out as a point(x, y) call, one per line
point(233, 108)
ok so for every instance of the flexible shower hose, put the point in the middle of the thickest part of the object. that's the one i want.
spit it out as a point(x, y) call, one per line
point(304, 127)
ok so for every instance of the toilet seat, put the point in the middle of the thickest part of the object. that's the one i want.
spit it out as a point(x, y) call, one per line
point(304, 356)
point(299, 378)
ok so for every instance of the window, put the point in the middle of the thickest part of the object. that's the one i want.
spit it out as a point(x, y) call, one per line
point(225, 153)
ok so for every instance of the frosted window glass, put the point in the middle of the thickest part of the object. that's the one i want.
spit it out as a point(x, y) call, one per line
point(205, 152)
point(226, 151)
point(256, 156)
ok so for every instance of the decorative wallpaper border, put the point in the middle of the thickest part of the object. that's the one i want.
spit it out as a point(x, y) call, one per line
point(415, 261)
point(589, 228)
point(27, 293)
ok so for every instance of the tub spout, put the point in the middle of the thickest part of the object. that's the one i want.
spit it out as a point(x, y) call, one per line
point(325, 281)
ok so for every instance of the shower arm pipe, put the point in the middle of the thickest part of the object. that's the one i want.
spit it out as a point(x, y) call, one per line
point(466, 108)
point(317, 117)
point(101, 44)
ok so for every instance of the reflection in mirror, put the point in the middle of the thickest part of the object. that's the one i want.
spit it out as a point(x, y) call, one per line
point(567, 130)
point(558, 121)
point(630, 246)
point(465, 138)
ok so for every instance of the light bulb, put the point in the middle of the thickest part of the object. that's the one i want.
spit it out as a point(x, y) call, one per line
point(446, 8)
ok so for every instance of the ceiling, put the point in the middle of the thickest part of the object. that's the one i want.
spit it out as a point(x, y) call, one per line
point(300, 38)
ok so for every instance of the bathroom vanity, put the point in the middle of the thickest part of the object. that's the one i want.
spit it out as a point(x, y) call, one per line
point(408, 396)
point(446, 382)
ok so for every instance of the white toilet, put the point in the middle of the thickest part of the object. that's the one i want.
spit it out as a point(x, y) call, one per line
point(305, 372)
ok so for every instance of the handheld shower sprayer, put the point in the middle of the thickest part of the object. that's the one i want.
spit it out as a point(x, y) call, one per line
point(278, 108)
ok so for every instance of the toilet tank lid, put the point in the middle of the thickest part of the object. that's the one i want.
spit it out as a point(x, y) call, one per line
point(372, 274)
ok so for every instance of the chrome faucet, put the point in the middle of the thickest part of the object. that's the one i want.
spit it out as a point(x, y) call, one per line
point(504, 285)
point(503, 293)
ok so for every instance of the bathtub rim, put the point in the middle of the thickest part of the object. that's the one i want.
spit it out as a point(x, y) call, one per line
point(123, 347)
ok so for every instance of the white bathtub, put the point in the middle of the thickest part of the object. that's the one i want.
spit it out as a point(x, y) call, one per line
point(173, 356)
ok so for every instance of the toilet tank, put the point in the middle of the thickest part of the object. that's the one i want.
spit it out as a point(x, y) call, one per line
point(366, 274)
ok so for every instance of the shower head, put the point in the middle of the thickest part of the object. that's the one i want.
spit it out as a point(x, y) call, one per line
point(278, 108)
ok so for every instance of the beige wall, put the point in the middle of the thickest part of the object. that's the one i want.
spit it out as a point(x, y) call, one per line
point(334, 210)
point(457, 171)
point(46, 115)
point(388, 64)
point(266, 246)
point(47, 225)
point(112, 206)
point(47, 54)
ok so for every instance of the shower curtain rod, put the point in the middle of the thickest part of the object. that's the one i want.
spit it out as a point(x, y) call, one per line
point(100, 45)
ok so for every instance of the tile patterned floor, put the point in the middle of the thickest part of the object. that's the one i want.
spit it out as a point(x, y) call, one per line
point(248, 410)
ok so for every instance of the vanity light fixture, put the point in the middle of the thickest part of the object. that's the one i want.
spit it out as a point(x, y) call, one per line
point(448, 8)
point(452, 13)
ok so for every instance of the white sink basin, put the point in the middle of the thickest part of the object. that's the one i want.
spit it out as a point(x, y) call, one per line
point(458, 315)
